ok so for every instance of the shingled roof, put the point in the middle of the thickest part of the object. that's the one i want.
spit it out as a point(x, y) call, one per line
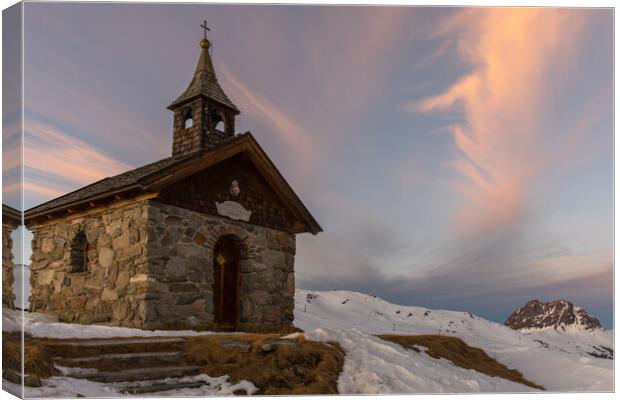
point(204, 83)
point(10, 216)
point(106, 186)
point(152, 177)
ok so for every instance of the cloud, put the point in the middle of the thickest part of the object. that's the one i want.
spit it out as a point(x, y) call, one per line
point(51, 153)
point(475, 286)
point(358, 243)
point(11, 146)
point(312, 88)
point(298, 140)
point(94, 108)
point(501, 150)
point(431, 58)
point(34, 188)
point(502, 153)
point(349, 65)
point(506, 146)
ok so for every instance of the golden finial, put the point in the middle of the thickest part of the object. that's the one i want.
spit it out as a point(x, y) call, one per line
point(204, 43)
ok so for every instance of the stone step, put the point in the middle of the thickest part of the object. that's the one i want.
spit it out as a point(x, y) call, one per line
point(161, 386)
point(70, 348)
point(119, 342)
point(144, 358)
point(136, 374)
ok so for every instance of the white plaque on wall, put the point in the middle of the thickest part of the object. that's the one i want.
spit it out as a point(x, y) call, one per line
point(233, 210)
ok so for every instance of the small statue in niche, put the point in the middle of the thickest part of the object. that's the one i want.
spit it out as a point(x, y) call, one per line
point(234, 188)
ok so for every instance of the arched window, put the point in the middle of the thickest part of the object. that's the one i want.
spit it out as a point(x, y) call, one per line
point(78, 258)
point(188, 121)
point(217, 120)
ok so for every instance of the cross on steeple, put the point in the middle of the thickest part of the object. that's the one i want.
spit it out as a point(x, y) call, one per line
point(205, 28)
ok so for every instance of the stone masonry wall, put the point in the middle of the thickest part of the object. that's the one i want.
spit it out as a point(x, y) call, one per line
point(180, 253)
point(150, 265)
point(8, 274)
point(113, 287)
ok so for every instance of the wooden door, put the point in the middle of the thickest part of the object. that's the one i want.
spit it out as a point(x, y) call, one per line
point(226, 282)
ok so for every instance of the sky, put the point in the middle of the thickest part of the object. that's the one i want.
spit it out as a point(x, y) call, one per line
point(456, 158)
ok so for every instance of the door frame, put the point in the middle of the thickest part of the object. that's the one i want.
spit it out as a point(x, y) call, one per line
point(218, 287)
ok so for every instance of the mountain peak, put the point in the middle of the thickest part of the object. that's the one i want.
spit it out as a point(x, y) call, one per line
point(556, 314)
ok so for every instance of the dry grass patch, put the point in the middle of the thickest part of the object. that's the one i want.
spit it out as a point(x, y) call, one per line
point(299, 367)
point(37, 357)
point(461, 354)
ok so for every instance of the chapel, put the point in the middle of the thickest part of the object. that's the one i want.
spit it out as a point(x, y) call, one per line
point(203, 239)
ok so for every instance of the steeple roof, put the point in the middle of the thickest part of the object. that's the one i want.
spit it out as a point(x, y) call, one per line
point(204, 82)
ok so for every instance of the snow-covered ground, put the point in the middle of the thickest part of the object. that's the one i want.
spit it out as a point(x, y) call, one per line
point(41, 325)
point(62, 386)
point(558, 360)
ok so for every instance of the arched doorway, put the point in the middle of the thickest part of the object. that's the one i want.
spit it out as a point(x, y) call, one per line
point(226, 256)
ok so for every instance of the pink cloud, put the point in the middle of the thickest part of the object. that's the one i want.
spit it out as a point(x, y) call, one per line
point(93, 115)
point(298, 139)
point(333, 75)
point(45, 190)
point(11, 146)
point(56, 153)
point(501, 147)
point(557, 268)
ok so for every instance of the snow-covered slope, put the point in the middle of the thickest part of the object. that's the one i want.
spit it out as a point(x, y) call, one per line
point(558, 360)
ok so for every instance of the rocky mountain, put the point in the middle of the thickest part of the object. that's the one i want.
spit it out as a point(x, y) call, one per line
point(555, 314)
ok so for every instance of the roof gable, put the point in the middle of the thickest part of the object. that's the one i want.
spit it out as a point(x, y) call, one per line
point(242, 144)
point(253, 199)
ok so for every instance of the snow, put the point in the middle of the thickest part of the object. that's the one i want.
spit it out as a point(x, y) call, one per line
point(216, 386)
point(41, 325)
point(374, 366)
point(73, 370)
point(556, 359)
point(71, 387)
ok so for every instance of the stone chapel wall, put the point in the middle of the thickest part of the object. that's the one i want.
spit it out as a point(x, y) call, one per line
point(180, 252)
point(113, 287)
point(8, 268)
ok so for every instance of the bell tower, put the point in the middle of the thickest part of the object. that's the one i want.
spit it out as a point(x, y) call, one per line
point(203, 115)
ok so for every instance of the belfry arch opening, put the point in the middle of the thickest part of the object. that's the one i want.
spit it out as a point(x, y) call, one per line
point(188, 119)
point(226, 282)
point(217, 120)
